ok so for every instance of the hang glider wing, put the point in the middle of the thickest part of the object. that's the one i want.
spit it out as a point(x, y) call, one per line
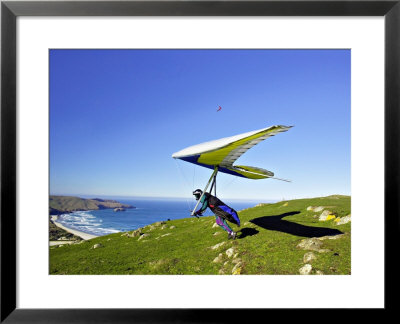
point(225, 151)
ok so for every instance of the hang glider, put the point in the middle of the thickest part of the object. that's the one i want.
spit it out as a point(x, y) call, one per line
point(219, 108)
point(220, 155)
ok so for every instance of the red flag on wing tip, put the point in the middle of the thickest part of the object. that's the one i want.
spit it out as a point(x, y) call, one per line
point(219, 108)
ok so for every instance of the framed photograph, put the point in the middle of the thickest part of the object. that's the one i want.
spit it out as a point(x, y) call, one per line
point(139, 158)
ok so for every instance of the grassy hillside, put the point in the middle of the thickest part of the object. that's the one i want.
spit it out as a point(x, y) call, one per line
point(62, 204)
point(276, 238)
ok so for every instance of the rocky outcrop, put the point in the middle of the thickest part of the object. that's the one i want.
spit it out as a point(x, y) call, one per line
point(327, 215)
point(230, 263)
point(331, 237)
point(119, 209)
point(143, 236)
point(230, 252)
point(160, 223)
point(134, 233)
point(156, 225)
point(315, 243)
point(315, 208)
point(237, 269)
point(343, 220)
point(306, 269)
point(216, 246)
point(312, 244)
point(308, 257)
point(219, 258)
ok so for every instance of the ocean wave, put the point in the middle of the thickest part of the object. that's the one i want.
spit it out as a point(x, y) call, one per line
point(85, 222)
point(108, 230)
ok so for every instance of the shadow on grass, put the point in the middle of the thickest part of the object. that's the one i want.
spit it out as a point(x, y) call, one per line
point(275, 223)
point(247, 232)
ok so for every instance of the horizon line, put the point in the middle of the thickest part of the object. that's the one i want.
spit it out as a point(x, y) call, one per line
point(186, 198)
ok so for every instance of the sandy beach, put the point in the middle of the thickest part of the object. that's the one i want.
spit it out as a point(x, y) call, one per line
point(82, 235)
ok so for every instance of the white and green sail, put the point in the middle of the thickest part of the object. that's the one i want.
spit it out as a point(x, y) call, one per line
point(222, 153)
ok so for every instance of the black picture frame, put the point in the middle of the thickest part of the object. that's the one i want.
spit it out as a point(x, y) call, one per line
point(10, 10)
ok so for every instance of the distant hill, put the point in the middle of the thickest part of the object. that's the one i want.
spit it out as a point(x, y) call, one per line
point(66, 204)
point(302, 236)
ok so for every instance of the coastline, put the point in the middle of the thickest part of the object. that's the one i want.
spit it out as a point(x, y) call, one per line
point(82, 235)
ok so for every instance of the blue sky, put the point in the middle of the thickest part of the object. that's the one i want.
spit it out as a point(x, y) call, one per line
point(116, 117)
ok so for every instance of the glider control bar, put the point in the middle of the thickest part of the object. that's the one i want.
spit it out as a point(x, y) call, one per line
point(208, 183)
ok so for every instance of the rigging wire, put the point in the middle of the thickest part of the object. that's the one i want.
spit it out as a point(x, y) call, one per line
point(227, 183)
point(194, 174)
point(185, 183)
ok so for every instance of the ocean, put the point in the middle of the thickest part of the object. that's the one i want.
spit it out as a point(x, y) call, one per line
point(147, 211)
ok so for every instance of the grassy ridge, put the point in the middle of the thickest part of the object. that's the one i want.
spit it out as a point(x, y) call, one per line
point(267, 245)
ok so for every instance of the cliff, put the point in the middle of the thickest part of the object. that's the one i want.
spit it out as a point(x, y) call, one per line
point(67, 204)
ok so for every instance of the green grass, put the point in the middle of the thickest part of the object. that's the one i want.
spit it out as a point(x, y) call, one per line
point(268, 245)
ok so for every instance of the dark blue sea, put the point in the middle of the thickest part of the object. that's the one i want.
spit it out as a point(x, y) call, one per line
point(147, 211)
